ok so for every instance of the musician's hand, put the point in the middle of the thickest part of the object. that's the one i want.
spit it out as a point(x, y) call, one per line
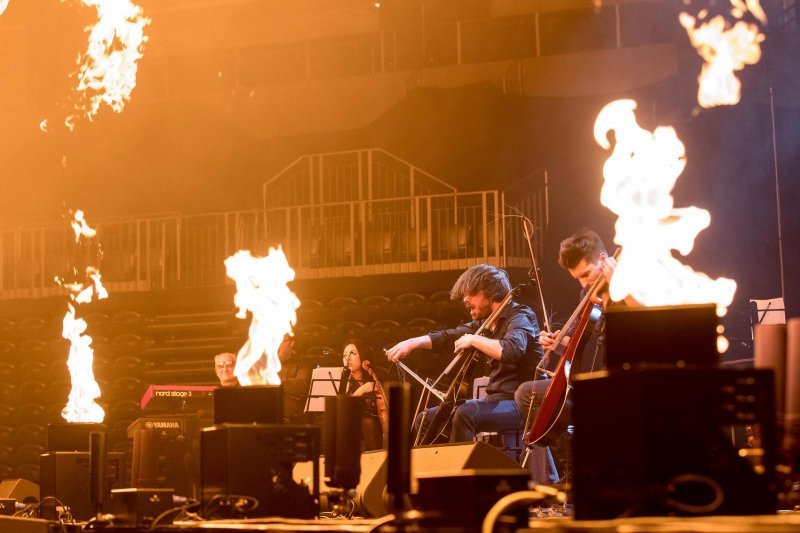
point(547, 339)
point(403, 348)
point(464, 342)
point(366, 388)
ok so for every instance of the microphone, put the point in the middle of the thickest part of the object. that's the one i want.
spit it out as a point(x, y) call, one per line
point(343, 381)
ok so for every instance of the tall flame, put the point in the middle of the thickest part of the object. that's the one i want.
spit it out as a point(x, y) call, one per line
point(261, 285)
point(81, 406)
point(107, 70)
point(3, 6)
point(724, 49)
point(639, 177)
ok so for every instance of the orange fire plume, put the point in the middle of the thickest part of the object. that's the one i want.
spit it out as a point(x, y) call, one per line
point(725, 50)
point(107, 70)
point(639, 177)
point(81, 406)
point(261, 285)
point(3, 6)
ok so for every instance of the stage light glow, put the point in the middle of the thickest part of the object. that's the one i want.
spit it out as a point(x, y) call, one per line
point(262, 290)
point(724, 49)
point(639, 177)
point(81, 405)
point(107, 70)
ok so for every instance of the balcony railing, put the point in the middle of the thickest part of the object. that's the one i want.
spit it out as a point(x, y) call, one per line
point(409, 234)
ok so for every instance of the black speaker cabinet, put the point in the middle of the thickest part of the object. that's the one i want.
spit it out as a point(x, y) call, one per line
point(65, 476)
point(70, 436)
point(660, 442)
point(256, 460)
point(425, 460)
point(262, 404)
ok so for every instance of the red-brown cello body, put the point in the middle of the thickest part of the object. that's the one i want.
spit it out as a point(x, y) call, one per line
point(555, 398)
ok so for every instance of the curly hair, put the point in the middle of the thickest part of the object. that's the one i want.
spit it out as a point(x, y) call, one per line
point(491, 280)
point(585, 245)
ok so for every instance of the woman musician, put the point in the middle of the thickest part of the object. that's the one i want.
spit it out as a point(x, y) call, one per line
point(365, 383)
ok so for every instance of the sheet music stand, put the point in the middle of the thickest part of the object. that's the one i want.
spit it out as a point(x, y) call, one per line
point(770, 311)
point(324, 382)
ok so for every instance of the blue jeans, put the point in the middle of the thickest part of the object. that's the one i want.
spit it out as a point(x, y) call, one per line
point(493, 413)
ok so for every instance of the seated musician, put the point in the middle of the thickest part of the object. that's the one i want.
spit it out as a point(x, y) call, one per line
point(510, 345)
point(295, 377)
point(362, 383)
point(585, 258)
point(223, 365)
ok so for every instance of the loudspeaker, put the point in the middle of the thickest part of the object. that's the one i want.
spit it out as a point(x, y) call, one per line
point(20, 489)
point(34, 525)
point(70, 436)
point(659, 442)
point(255, 460)
point(66, 477)
point(424, 460)
point(261, 404)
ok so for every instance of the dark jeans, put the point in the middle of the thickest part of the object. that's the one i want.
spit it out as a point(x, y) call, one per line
point(528, 398)
point(490, 414)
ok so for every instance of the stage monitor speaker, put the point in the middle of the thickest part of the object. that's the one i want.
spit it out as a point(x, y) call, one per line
point(14, 524)
point(424, 460)
point(66, 477)
point(659, 442)
point(260, 404)
point(20, 490)
point(255, 460)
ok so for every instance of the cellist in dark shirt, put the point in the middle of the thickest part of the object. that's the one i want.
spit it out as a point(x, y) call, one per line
point(511, 347)
point(585, 258)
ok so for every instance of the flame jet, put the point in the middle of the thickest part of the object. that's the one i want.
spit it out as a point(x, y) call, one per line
point(261, 289)
point(639, 177)
point(81, 406)
point(106, 72)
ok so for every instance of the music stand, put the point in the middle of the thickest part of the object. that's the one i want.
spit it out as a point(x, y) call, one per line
point(324, 382)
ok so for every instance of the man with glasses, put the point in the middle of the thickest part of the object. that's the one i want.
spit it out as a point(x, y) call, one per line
point(223, 364)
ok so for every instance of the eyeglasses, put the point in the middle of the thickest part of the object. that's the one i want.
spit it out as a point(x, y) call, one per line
point(226, 364)
point(349, 355)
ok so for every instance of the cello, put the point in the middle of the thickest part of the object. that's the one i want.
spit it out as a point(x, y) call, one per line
point(556, 395)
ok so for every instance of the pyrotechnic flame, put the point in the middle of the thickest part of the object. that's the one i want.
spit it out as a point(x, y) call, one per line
point(3, 6)
point(639, 177)
point(261, 285)
point(81, 406)
point(107, 70)
point(724, 50)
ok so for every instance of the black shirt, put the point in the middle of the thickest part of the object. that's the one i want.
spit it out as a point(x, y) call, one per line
point(518, 332)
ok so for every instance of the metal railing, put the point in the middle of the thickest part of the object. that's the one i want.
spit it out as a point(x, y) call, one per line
point(394, 235)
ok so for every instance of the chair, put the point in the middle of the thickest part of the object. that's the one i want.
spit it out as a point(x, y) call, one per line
point(509, 440)
point(342, 303)
point(126, 388)
point(128, 321)
point(127, 366)
point(8, 372)
point(30, 434)
point(8, 393)
point(376, 301)
point(125, 410)
point(6, 414)
point(28, 471)
point(350, 329)
point(7, 455)
point(410, 299)
point(129, 344)
point(29, 453)
point(29, 413)
point(421, 326)
point(6, 435)
point(32, 371)
point(32, 391)
point(32, 349)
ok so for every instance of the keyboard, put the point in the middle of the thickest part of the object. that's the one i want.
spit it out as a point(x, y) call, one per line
point(177, 398)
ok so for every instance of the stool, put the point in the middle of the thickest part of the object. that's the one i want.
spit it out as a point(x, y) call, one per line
point(509, 441)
